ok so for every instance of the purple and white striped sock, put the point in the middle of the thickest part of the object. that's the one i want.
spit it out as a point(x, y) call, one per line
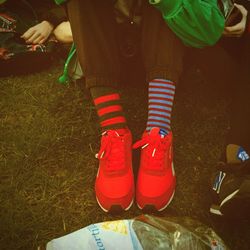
point(160, 100)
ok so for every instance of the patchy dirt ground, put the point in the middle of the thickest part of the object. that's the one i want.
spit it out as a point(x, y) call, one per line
point(48, 139)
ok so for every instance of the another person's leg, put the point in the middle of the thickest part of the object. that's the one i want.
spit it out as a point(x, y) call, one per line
point(162, 53)
point(226, 64)
point(93, 28)
point(231, 185)
point(222, 63)
point(239, 132)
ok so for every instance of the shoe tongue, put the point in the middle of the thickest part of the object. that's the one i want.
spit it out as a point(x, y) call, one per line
point(122, 131)
point(236, 154)
point(163, 133)
point(154, 131)
point(242, 154)
point(158, 131)
point(119, 132)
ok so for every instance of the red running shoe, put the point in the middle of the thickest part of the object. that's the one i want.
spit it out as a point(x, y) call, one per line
point(156, 177)
point(114, 184)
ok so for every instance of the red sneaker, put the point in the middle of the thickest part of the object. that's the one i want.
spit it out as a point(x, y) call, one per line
point(114, 184)
point(156, 177)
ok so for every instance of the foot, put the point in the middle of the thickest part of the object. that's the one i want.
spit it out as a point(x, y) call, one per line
point(231, 190)
point(114, 184)
point(156, 177)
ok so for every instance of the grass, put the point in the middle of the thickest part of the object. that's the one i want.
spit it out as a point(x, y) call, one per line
point(48, 139)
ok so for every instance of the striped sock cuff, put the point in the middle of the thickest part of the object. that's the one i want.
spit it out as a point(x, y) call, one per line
point(106, 98)
point(110, 111)
point(160, 99)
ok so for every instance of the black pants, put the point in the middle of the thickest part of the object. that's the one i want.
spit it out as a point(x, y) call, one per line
point(94, 32)
point(95, 35)
point(229, 63)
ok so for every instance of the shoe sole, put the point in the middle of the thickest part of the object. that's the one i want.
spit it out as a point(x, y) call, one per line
point(116, 208)
point(151, 207)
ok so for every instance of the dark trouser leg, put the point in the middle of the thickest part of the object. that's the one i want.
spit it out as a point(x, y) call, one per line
point(162, 54)
point(240, 105)
point(231, 70)
point(93, 27)
point(162, 51)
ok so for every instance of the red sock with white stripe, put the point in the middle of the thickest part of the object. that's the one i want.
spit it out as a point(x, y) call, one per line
point(160, 99)
point(109, 109)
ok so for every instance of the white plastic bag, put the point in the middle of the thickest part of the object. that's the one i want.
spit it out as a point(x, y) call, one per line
point(144, 232)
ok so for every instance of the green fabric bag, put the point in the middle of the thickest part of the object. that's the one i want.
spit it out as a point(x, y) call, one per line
point(198, 23)
point(60, 1)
